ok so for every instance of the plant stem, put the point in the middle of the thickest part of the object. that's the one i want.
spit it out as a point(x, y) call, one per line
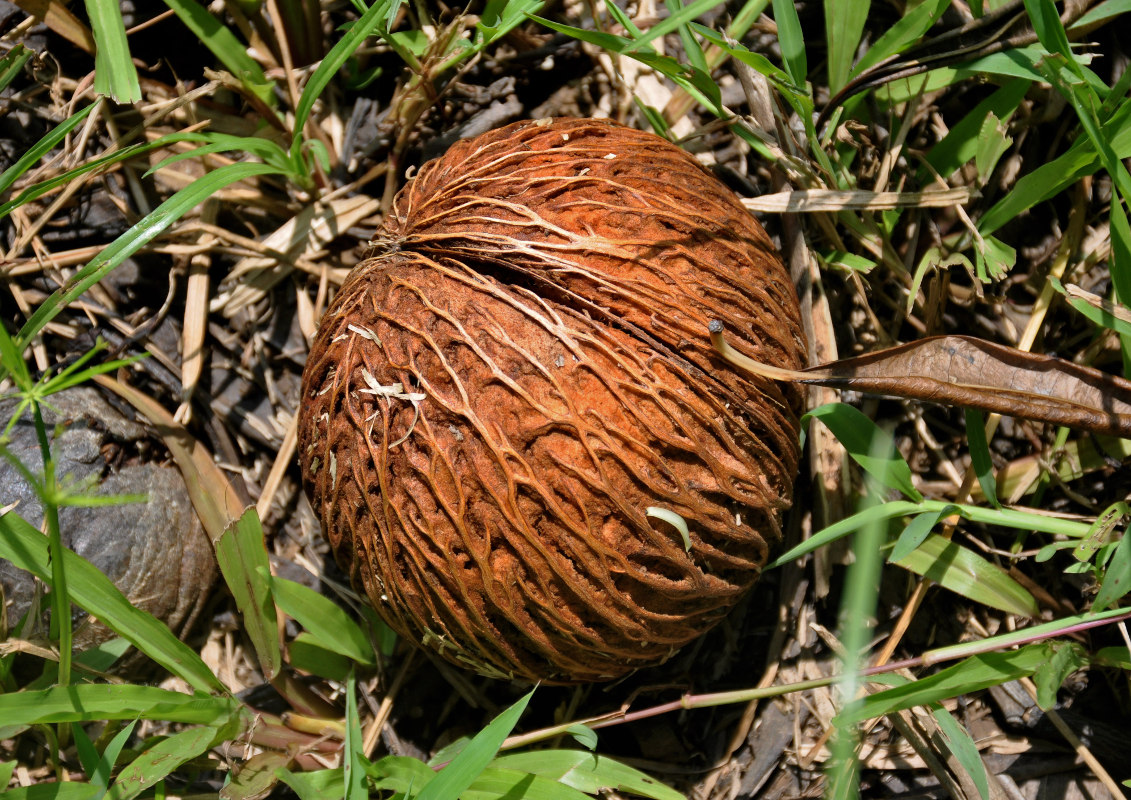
point(60, 600)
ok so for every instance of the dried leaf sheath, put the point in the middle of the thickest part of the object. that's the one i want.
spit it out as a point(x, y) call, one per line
point(482, 438)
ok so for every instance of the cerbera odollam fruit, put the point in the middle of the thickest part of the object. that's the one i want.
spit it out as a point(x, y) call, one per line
point(494, 402)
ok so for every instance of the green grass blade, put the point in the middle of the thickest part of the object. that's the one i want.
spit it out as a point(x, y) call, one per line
point(844, 25)
point(329, 626)
point(86, 702)
point(26, 548)
point(792, 41)
point(43, 187)
point(54, 791)
point(972, 675)
point(265, 150)
point(961, 142)
point(242, 556)
point(158, 761)
point(1055, 176)
point(856, 621)
point(1050, 31)
point(676, 20)
point(223, 44)
point(400, 774)
point(968, 574)
point(870, 447)
point(841, 528)
point(357, 787)
point(12, 362)
point(692, 49)
point(11, 65)
point(899, 36)
point(114, 73)
point(917, 532)
point(965, 751)
point(143, 232)
point(370, 22)
point(457, 776)
point(980, 458)
point(42, 147)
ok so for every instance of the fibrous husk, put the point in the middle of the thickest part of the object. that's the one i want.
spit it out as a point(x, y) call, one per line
point(494, 403)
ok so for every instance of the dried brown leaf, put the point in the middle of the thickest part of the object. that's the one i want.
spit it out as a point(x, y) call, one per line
point(216, 502)
point(972, 373)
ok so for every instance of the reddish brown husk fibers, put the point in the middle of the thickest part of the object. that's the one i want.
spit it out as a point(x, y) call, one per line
point(495, 401)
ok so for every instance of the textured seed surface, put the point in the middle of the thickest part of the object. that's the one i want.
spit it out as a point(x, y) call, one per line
point(494, 402)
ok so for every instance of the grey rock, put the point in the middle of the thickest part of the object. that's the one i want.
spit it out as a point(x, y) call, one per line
point(156, 551)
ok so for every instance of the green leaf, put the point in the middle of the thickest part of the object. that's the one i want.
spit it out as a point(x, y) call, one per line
point(1099, 532)
point(329, 626)
point(971, 675)
point(968, 574)
point(962, 141)
point(1067, 657)
point(1117, 579)
point(95, 702)
point(584, 735)
point(993, 142)
point(242, 556)
point(856, 620)
point(12, 363)
point(144, 231)
point(980, 458)
point(844, 24)
point(495, 784)
point(1053, 177)
point(993, 258)
point(26, 548)
point(587, 772)
point(308, 655)
point(209, 31)
point(323, 784)
point(962, 745)
point(159, 760)
point(400, 774)
point(114, 71)
point(7, 768)
point(457, 776)
point(848, 261)
point(95, 164)
point(257, 776)
point(695, 81)
point(873, 449)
